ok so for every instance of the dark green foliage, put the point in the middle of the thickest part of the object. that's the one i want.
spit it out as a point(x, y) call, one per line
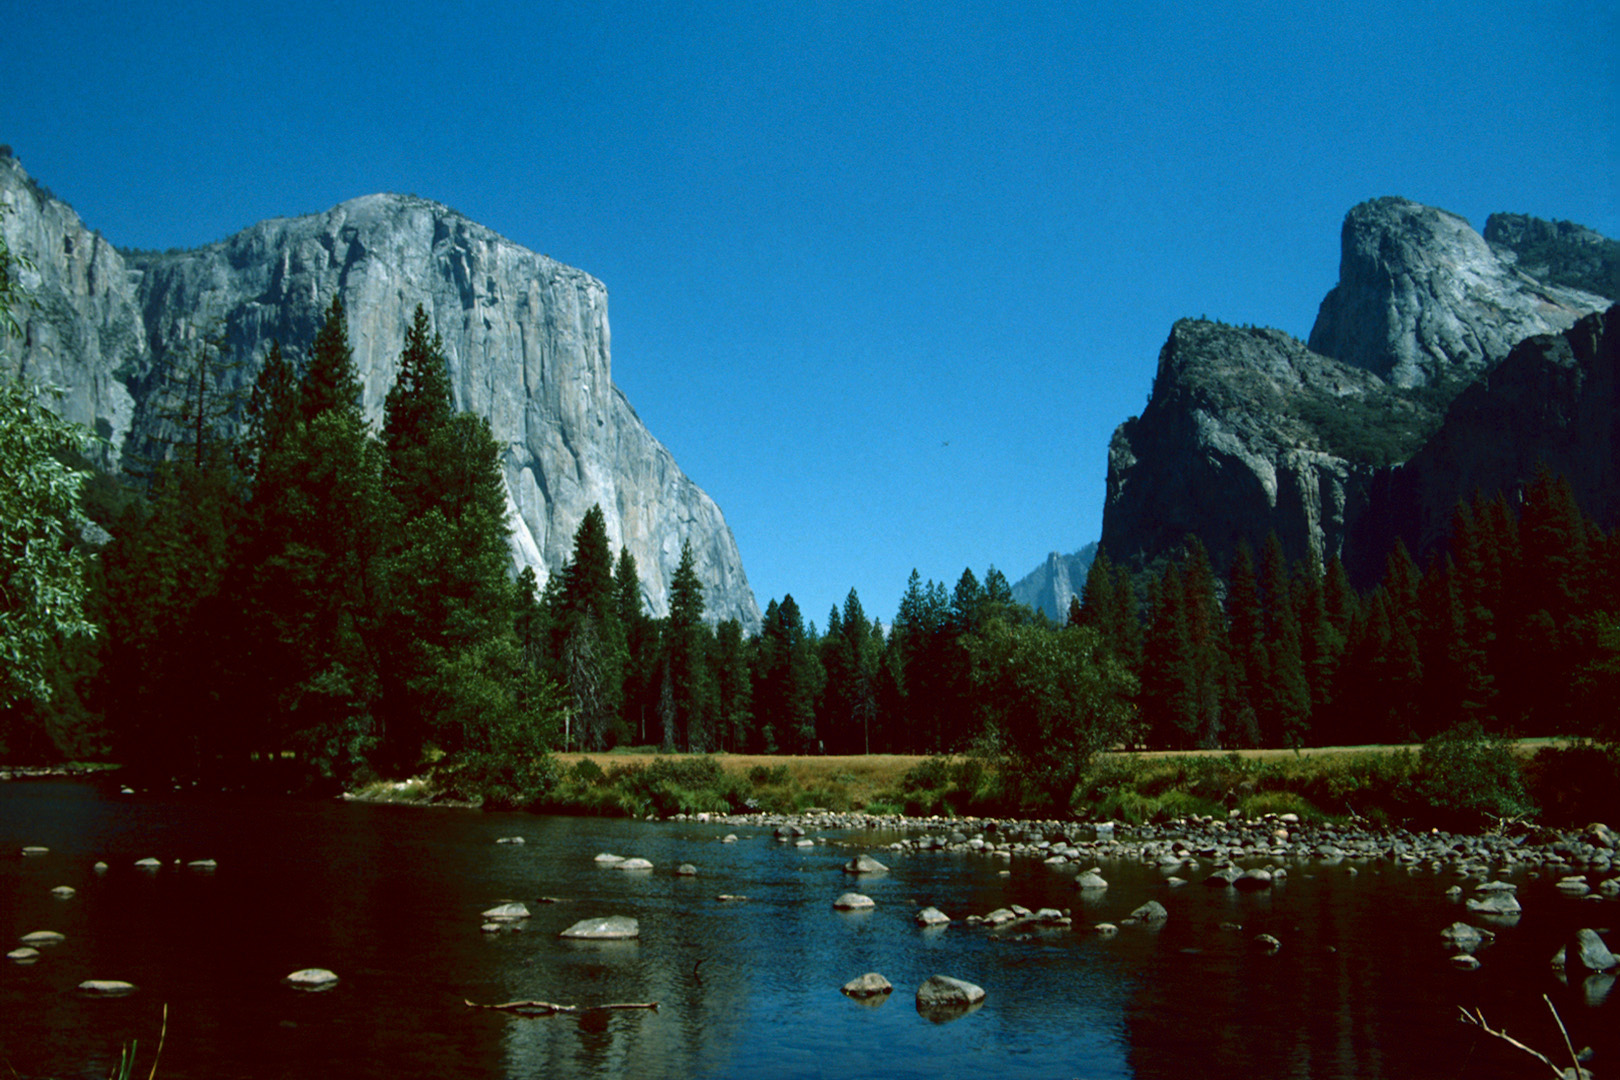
point(1468, 778)
point(1055, 699)
point(416, 410)
point(330, 383)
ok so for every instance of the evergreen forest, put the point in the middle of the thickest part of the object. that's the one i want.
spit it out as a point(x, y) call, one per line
point(340, 600)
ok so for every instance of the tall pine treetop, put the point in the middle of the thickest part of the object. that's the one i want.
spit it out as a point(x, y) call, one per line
point(330, 382)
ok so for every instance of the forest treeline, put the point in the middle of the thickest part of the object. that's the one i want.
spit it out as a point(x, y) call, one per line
point(313, 589)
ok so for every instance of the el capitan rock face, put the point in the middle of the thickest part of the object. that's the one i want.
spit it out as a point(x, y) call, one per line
point(526, 338)
point(1248, 431)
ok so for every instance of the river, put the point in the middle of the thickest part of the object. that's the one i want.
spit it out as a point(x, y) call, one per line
point(389, 898)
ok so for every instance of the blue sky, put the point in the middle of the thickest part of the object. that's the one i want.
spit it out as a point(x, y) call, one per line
point(883, 277)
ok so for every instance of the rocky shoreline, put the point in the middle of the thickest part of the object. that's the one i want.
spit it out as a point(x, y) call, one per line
point(1226, 851)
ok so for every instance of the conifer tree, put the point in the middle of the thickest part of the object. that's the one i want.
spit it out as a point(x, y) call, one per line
point(686, 692)
point(330, 383)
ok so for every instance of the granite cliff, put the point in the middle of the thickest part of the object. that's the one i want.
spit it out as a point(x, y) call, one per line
point(1048, 587)
point(526, 338)
point(1250, 431)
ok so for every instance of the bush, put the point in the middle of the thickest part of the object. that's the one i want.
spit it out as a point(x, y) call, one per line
point(1576, 784)
point(1466, 778)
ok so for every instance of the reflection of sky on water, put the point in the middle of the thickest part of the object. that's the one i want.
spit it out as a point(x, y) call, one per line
point(390, 897)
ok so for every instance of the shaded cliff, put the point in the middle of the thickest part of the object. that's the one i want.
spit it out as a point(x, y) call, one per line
point(1249, 431)
point(1554, 401)
point(526, 337)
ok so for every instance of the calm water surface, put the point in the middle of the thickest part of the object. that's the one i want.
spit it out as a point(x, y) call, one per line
point(389, 898)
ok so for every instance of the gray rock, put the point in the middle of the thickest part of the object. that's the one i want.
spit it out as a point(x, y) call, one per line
point(1049, 586)
point(43, 937)
point(106, 988)
point(1267, 942)
point(1496, 903)
point(148, 863)
point(608, 859)
point(1465, 962)
point(1253, 880)
point(24, 954)
point(1422, 297)
point(311, 979)
point(526, 337)
point(203, 864)
point(64, 892)
point(1586, 951)
point(945, 992)
point(1150, 912)
point(869, 985)
point(611, 928)
point(633, 864)
point(686, 869)
point(853, 901)
point(864, 864)
point(1459, 935)
point(932, 916)
point(33, 851)
point(100, 868)
point(507, 912)
point(1090, 881)
point(510, 840)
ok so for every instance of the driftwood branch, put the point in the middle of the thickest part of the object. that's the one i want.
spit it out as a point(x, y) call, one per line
point(1477, 1018)
point(547, 1008)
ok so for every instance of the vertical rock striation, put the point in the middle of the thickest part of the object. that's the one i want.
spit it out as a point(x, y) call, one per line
point(526, 338)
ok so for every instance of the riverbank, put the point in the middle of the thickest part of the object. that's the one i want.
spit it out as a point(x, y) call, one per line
point(1469, 783)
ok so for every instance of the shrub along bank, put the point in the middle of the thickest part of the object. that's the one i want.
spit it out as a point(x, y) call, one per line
point(1463, 779)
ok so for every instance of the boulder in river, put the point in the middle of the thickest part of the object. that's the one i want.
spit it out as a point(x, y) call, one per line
point(1496, 903)
point(106, 988)
point(64, 892)
point(35, 850)
point(932, 916)
point(686, 869)
point(611, 928)
point(148, 863)
point(43, 937)
point(1090, 881)
point(864, 864)
point(507, 912)
point(853, 901)
point(1459, 935)
point(311, 979)
point(1150, 912)
point(1586, 952)
point(870, 985)
point(1252, 880)
point(944, 998)
point(24, 954)
point(633, 864)
point(609, 859)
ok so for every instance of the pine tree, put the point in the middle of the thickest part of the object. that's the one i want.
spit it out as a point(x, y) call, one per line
point(686, 687)
point(330, 383)
point(1247, 632)
point(416, 409)
point(1169, 686)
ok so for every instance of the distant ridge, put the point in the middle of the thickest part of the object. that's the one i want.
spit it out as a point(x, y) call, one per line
point(1048, 587)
